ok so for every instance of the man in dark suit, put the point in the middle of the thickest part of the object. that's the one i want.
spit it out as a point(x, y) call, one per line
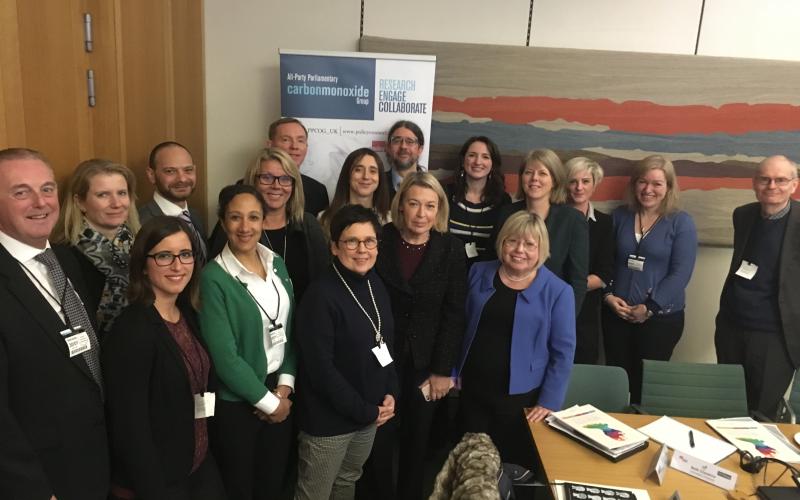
point(290, 135)
point(172, 171)
point(52, 430)
point(404, 146)
point(758, 325)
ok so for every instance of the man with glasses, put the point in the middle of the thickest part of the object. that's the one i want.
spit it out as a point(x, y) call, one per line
point(172, 172)
point(404, 146)
point(758, 325)
point(291, 136)
point(52, 427)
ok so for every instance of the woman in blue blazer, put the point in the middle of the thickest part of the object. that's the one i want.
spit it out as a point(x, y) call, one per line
point(519, 342)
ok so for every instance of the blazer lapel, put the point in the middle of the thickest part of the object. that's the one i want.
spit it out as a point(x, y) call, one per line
point(388, 266)
point(20, 286)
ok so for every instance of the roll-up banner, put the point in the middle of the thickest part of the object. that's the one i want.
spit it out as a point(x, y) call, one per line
point(348, 100)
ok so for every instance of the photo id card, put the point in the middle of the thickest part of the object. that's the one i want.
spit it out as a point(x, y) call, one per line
point(381, 352)
point(747, 270)
point(471, 249)
point(635, 262)
point(277, 334)
point(77, 340)
point(204, 405)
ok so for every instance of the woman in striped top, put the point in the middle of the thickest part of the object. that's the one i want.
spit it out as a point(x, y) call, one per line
point(476, 196)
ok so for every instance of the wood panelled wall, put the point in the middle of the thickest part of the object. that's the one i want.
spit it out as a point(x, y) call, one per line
point(149, 82)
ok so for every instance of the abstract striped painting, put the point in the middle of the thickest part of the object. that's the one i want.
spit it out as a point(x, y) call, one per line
point(715, 118)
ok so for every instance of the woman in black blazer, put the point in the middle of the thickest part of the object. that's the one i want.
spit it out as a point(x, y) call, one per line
point(424, 270)
point(157, 374)
point(583, 177)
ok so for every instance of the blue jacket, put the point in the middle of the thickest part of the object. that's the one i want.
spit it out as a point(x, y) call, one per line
point(543, 337)
point(670, 249)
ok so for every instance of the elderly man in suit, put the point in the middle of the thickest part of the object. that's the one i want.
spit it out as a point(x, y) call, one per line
point(52, 431)
point(172, 172)
point(758, 325)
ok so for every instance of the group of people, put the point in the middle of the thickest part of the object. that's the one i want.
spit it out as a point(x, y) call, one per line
point(322, 337)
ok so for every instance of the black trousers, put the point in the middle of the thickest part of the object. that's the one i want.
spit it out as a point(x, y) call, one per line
point(252, 454)
point(767, 367)
point(405, 436)
point(587, 330)
point(204, 483)
point(627, 344)
point(502, 417)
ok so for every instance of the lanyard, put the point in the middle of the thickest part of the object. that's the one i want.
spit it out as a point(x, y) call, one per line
point(45, 289)
point(377, 329)
point(269, 243)
point(272, 320)
point(643, 232)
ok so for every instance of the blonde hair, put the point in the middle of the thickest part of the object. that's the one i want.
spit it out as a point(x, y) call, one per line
point(654, 162)
point(425, 180)
point(297, 200)
point(552, 163)
point(581, 163)
point(70, 222)
point(525, 223)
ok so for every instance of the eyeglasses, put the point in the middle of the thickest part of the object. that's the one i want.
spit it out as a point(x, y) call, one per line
point(397, 140)
point(528, 246)
point(353, 243)
point(779, 181)
point(164, 259)
point(269, 179)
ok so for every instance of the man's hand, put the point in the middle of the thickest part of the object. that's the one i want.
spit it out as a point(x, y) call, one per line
point(385, 410)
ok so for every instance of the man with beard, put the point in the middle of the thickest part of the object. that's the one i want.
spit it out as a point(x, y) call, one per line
point(173, 173)
point(291, 136)
point(404, 145)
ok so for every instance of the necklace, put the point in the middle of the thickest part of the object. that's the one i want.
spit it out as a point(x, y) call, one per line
point(378, 336)
point(516, 280)
point(283, 255)
point(411, 246)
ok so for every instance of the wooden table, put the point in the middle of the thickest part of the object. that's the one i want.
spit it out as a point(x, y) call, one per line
point(564, 459)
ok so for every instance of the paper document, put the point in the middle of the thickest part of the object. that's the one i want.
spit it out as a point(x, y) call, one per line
point(751, 436)
point(599, 426)
point(675, 435)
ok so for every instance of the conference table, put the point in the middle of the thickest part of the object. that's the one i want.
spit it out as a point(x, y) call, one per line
point(564, 459)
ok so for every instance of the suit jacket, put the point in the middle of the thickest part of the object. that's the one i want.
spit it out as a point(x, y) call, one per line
point(149, 401)
point(151, 209)
point(744, 219)
point(428, 309)
point(52, 426)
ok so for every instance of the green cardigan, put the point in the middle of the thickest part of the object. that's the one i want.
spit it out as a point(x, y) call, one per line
point(230, 324)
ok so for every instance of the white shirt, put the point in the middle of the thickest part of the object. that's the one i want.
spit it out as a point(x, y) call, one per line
point(264, 294)
point(26, 254)
point(590, 213)
point(167, 206)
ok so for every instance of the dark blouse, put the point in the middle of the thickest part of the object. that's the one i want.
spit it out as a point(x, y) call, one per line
point(197, 366)
point(488, 366)
point(410, 256)
point(292, 249)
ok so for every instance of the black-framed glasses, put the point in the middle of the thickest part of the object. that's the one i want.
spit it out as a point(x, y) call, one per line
point(165, 259)
point(398, 140)
point(353, 243)
point(269, 179)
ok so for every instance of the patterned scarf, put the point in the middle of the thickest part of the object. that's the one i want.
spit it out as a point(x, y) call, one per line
point(112, 258)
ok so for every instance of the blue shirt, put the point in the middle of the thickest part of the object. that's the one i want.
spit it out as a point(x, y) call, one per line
point(669, 249)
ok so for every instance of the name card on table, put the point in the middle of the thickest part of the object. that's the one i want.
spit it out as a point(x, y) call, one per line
point(704, 471)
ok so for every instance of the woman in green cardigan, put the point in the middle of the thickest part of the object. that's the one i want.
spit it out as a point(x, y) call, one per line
point(245, 318)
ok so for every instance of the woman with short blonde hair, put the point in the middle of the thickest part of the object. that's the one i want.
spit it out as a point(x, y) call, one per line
point(541, 190)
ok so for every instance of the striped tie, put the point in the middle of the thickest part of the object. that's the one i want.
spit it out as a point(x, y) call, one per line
point(200, 242)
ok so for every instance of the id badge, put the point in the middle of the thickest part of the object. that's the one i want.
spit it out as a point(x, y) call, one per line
point(204, 405)
point(471, 249)
point(747, 270)
point(277, 334)
point(77, 340)
point(635, 262)
point(381, 352)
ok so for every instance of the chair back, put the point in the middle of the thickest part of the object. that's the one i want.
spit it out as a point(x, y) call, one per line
point(693, 389)
point(604, 387)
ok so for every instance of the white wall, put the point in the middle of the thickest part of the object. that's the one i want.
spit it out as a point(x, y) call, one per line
point(242, 38)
